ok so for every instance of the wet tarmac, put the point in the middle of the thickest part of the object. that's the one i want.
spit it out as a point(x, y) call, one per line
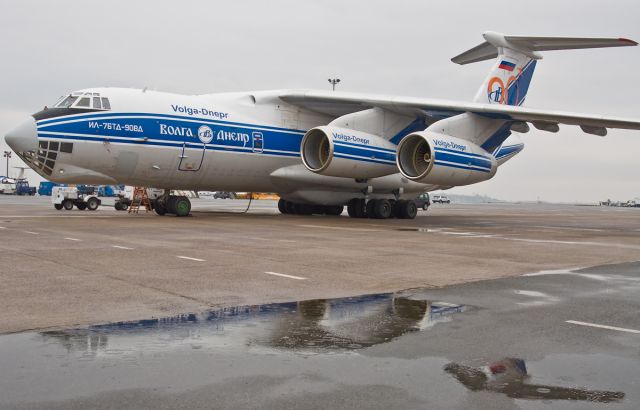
point(552, 339)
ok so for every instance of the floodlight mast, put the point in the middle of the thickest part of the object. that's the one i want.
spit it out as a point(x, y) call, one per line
point(333, 82)
point(7, 155)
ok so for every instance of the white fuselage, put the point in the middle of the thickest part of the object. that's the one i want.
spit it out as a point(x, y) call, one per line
point(229, 142)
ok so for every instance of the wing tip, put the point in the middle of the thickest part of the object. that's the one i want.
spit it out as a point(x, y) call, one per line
point(628, 41)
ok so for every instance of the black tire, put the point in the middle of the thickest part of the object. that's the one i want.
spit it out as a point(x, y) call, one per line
point(93, 204)
point(182, 206)
point(382, 209)
point(409, 210)
point(171, 204)
point(289, 207)
point(335, 210)
point(81, 206)
point(159, 207)
point(58, 206)
point(357, 208)
point(397, 208)
point(282, 206)
point(303, 209)
point(67, 204)
point(369, 209)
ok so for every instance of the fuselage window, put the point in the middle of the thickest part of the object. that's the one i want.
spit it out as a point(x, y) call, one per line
point(67, 102)
point(84, 102)
point(66, 147)
point(96, 103)
point(105, 104)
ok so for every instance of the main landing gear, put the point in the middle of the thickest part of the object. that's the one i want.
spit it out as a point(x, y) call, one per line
point(382, 208)
point(172, 204)
point(294, 208)
point(357, 208)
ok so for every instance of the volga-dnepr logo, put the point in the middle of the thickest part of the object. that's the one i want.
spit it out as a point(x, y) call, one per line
point(205, 134)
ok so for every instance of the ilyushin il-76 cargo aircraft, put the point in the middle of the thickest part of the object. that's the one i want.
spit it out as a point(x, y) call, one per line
point(318, 150)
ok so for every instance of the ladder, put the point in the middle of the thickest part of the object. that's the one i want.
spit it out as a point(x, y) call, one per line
point(140, 197)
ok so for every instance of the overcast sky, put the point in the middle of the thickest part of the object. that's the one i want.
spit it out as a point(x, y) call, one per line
point(394, 47)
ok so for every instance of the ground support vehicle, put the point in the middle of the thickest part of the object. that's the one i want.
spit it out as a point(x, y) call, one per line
point(67, 197)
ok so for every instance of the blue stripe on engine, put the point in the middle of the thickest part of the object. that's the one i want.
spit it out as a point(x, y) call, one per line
point(376, 161)
point(463, 153)
point(460, 166)
point(481, 163)
point(353, 144)
point(364, 153)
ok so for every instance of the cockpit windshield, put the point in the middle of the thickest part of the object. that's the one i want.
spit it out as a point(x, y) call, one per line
point(89, 100)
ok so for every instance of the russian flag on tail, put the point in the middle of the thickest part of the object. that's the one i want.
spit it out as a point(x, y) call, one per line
point(505, 65)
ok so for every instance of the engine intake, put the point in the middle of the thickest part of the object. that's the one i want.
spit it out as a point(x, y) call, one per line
point(431, 158)
point(347, 153)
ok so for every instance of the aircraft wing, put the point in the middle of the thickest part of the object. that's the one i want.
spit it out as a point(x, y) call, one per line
point(338, 103)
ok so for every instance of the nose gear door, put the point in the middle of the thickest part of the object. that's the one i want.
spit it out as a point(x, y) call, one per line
point(193, 152)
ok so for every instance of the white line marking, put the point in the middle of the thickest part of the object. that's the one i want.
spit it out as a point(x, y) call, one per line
point(73, 239)
point(568, 271)
point(121, 247)
point(191, 259)
point(3, 227)
point(285, 276)
point(32, 233)
point(532, 293)
point(619, 329)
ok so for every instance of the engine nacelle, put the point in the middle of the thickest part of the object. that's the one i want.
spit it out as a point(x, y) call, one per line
point(437, 159)
point(341, 152)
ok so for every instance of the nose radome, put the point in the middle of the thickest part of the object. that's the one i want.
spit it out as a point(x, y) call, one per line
point(24, 137)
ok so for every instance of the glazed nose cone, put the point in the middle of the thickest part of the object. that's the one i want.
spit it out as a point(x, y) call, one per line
point(24, 137)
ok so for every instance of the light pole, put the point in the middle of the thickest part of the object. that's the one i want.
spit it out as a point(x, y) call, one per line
point(333, 82)
point(7, 155)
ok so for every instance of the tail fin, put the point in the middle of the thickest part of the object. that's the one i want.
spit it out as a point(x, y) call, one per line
point(516, 59)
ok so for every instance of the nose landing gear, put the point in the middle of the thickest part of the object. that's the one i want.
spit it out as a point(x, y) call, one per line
point(172, 204)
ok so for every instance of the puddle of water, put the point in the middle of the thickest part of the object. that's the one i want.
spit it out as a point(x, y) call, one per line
point(509, 376)
point(313, 326)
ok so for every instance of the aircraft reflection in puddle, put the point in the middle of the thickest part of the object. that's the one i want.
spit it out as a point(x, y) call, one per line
point(316, 325)
point(509, 376)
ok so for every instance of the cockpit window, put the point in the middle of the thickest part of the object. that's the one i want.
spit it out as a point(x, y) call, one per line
point(84, 102)
point(67, 102)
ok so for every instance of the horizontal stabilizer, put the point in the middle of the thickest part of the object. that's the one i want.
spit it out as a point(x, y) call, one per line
point(530, 46)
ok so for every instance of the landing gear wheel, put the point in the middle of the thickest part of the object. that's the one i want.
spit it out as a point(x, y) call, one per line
point(81, 206)
point(407, 210)
point(289, 208)
point(92, 204)
point(303, 209)
point(182, 206)
point(369, 208)
point(58, 206)
point(334, 210)
point(282, 206)
point(356, 208)
point(160, 207)
point(67, 204)
point(381, 209)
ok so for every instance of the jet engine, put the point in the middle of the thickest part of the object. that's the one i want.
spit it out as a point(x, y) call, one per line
point(342, 152)
point(432, 158)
